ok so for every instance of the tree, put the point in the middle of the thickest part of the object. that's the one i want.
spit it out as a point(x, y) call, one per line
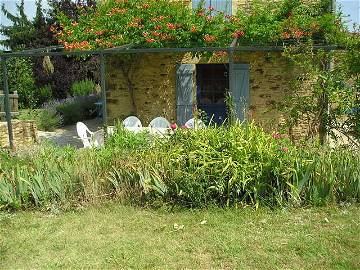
point(25, 33)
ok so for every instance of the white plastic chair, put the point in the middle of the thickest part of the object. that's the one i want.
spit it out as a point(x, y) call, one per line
point(89, 138)
point(191, 123)
point(132, 121)
point(159, 122)
point(85, 134)
point(160, 126)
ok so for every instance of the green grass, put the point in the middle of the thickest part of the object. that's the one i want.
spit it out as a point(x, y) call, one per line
point(115, 236)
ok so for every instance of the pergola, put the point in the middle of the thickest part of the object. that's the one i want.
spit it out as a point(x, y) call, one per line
point(129, 49)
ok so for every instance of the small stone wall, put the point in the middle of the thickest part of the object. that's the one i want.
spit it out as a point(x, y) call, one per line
point(24, 132)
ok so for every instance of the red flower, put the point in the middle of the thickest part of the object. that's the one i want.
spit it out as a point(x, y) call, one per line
point(156, 34)
point(276, 136)
point(145, 6)
point(193, 29)
point(150, 40)
point(209, 38)
point(299, 34)
point(238, 34)
point(158, 27)
point(171, 26)
point(211, 8)
point(145, 34)
point(286, 35)
point(173, 126)
point(99, 33)
point(285, 149)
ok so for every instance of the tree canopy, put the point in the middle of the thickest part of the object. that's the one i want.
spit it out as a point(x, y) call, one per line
point(163, 23)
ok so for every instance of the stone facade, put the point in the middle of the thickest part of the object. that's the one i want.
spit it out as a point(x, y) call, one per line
point(154, 83)
point(24, 132)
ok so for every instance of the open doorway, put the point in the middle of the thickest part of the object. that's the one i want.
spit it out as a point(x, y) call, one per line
point(212, 82)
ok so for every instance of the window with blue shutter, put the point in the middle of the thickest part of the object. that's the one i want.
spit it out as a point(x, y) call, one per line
point(219, 5)
point(184, 92)
point(240, 93)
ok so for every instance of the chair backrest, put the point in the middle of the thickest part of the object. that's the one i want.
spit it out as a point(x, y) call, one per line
point(132, 121)
point(159, 122)
point(83, 131)
point(195, 124)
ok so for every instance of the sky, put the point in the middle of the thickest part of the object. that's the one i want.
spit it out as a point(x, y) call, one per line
point(350, 9)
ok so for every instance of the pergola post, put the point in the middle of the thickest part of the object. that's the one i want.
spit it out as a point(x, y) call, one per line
point(103, 87)
point(7, 103)
point(231, 50)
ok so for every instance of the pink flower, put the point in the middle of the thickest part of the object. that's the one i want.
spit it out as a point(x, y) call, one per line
point(184, 127)
point(285, 149)
point(276, 136)
point(173, 126)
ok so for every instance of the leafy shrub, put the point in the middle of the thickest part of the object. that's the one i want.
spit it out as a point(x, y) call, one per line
point(75, 109)
point(20, 79)
point(83, 88)
point(222, 166)
point(44, 94)
point(46, 119)
point(129, 141)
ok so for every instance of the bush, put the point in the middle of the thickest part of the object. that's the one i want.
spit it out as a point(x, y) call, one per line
point(44, 94)
point(46, 119)
point(83, 88)
point(20, 79)
point(76, 109)
point(222, 166)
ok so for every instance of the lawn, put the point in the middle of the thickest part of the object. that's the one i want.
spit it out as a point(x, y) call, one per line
point(116, 236)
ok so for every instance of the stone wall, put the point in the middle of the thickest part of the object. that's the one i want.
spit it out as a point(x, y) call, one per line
point(24, 132)
point(153, 78)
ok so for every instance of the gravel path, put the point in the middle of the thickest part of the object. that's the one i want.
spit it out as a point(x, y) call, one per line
point(67, 135)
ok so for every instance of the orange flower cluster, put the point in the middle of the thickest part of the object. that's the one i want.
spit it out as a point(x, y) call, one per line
point(104, 43)
point(99, 33)
point(83, 45)
point(296, 34)
point(135, 23)
point(238, 34)
point(171, 26)
point(220, 54)
point(114, 11)
point(209, 38)
point(193, 29)
point(158, 19)
point(116, 37)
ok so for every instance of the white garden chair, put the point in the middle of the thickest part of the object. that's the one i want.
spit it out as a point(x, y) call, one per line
point(195, 124)
point(132, 123)
point(89, 138)
point(159, 125)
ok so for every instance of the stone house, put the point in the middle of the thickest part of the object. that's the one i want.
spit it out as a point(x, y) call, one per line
point(174, 84)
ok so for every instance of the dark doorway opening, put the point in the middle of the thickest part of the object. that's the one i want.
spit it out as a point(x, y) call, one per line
point(212, 82)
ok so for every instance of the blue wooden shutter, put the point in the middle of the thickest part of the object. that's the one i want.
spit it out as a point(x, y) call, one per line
point(219, 5)
point(184, 92)
point(195, 3)
point(222, 5)
point(240, 92)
